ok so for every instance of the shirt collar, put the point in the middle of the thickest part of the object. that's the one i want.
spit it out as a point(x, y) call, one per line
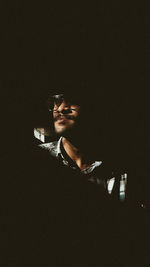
point(58, 149)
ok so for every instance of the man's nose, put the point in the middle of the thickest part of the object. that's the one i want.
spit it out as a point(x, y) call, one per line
point(64, 109)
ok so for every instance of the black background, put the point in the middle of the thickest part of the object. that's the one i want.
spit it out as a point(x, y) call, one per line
point(102, 47)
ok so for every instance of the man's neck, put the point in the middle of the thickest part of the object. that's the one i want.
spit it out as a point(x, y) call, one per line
point(74, 153)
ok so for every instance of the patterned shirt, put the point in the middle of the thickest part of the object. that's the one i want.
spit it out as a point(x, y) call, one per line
point(56, 150)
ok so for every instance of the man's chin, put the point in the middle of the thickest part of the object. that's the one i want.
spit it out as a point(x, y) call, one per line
point(63, 131)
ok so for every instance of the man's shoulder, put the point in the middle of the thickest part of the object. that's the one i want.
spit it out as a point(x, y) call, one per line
point(50, 147)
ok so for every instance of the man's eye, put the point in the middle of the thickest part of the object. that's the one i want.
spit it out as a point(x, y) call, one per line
point(53, 109)
point(56, 109)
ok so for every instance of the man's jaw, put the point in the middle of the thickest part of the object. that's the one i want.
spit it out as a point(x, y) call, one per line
point(64, 127)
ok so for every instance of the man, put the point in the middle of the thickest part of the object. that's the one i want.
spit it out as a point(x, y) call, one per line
point(98, 188)
point(73, 125)
point(86, 192)
point(57, 205)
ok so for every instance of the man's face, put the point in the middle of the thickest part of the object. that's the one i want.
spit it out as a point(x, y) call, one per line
point(65, 116)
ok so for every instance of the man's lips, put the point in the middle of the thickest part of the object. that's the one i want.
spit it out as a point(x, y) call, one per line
point(63, 118)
